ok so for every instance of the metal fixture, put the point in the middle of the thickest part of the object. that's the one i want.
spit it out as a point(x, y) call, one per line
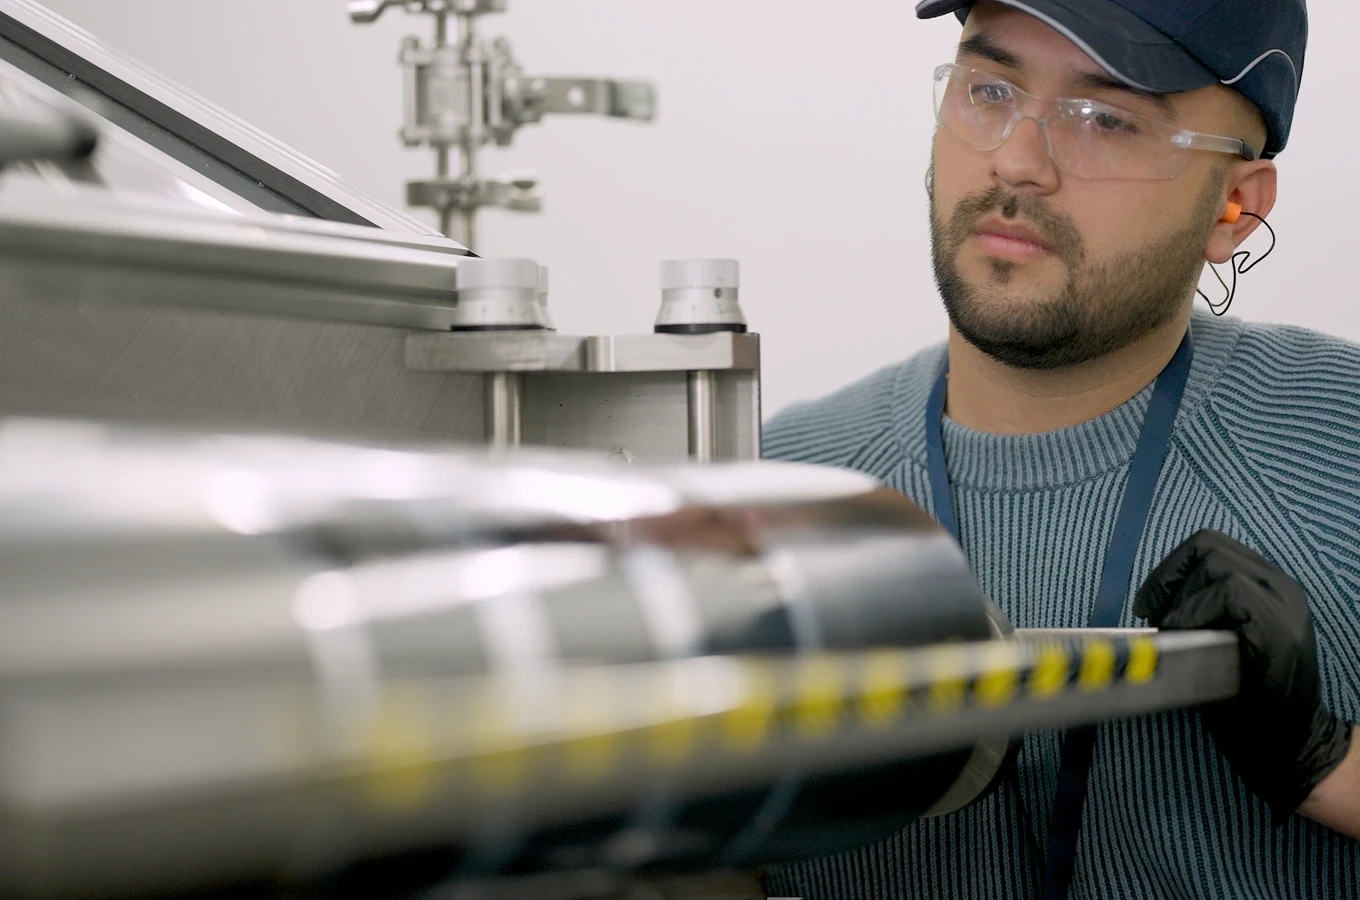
point(465, 94)
point(690, 390)
point(700, 391)
point(699, 296)
point(502, 295)
point(170, 256)
point(504, 409)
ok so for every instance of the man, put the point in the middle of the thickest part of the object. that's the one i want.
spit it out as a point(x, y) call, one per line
point(1101, 466)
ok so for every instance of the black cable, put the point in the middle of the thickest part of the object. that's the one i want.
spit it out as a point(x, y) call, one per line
point(1240, 265)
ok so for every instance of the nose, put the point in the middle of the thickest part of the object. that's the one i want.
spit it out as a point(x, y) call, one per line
point(1023, 161)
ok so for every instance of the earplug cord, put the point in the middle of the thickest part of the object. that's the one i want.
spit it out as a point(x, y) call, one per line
point(1241, 263)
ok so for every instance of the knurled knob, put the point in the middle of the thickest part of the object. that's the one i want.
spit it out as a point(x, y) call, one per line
point(677, 274)
point(699, 296)
point(499, 294)
point(514, 274)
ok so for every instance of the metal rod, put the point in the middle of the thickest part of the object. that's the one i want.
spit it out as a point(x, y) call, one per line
point(454, 222)
point(480, 746)
point(442, 171)
point(504, 409)
point(467, 230)
point(441, 39)
point(473, 60)
point(441, 28)
point(1068, 633)
point(703, 440)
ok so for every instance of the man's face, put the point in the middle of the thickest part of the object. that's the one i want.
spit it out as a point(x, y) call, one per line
point(1041, 269)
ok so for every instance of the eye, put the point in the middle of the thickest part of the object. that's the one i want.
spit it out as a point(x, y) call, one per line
point(1110, 123)
point(990, 92)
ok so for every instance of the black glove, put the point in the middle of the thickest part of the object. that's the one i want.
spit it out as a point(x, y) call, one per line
point(1277, 733)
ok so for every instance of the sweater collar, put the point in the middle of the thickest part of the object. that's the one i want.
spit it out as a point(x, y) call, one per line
point(1051, 459)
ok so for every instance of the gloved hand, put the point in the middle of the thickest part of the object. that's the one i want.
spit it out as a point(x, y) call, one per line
point(1277, 733)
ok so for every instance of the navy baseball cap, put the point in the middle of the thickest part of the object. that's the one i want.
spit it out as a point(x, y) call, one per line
point(1255, 47)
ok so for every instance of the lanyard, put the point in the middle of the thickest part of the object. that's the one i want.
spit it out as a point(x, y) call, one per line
point(1154, 440)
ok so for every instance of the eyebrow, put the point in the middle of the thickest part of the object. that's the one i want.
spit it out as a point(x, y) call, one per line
point(1099, 81)
point(983, 47)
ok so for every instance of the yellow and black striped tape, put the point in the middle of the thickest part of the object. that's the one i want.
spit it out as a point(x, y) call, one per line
point(584, 725)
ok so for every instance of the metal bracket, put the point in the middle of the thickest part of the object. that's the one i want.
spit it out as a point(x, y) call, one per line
point(469, 92)
point(518, 193)
point(528, 99)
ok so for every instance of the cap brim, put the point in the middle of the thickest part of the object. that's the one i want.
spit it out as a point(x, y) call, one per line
point(1122, 44)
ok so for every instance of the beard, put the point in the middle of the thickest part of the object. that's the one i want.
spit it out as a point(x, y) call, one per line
point(1103, 306)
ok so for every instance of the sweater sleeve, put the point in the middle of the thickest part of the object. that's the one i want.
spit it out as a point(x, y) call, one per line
point(836, 430)
point(1286, 414)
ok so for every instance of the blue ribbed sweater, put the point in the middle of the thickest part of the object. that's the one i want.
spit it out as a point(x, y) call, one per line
point(1266, 448)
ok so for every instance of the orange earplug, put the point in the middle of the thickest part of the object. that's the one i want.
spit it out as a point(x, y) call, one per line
point(1234, 213)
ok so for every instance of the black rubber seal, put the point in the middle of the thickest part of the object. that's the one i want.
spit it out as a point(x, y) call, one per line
point(700, 329)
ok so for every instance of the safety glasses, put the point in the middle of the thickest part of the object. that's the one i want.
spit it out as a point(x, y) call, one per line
point(1084, 138)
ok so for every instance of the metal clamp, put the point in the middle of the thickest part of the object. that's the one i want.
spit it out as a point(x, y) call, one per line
point(362, 12)
point(519, 193)
point(468, 93)
point(528, 99)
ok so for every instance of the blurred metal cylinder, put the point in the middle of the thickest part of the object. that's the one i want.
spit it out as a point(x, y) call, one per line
point(205, 640)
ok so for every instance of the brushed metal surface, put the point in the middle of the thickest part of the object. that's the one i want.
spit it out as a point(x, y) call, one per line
point(640, 416)
point(533, 351)
point(147, 361)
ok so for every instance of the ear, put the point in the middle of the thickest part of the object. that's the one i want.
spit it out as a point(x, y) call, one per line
point(1252, 185)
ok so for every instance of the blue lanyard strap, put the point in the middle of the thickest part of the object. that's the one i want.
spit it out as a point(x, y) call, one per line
point(1154, 442)
point(940, 494)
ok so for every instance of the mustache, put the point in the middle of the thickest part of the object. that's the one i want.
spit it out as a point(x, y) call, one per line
point(1057, 231)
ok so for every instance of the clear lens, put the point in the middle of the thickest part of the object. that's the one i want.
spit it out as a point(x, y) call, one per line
point(1084, 138)
point(976, 108)
point(1092, 140)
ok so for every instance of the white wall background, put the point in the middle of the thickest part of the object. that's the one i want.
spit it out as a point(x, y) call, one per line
point(793, 135)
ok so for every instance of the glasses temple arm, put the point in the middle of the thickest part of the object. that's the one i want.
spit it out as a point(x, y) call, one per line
point(1197, 141)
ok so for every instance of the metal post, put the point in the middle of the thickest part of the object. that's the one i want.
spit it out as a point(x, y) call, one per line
point(703, 439)
point(473, 135)
point(467, 216)
point(441, 28)
point(504, 409)
point(441, 39)
point(445, 211)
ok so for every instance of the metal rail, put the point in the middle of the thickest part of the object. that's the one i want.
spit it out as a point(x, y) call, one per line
point(600, 733)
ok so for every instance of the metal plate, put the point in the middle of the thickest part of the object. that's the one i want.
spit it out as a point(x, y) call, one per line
point(60, 247)
point(530, 351)
point(182, 125)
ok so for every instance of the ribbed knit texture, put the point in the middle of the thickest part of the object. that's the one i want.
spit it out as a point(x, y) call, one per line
point(1266, 448)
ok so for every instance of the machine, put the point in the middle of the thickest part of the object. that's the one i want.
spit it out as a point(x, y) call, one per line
point(188, 266)
point(329, 568)
point(264, 666)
